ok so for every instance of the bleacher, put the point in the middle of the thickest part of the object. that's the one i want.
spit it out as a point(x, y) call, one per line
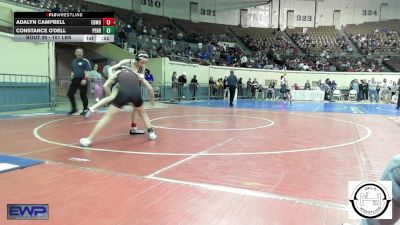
point(393, 63)
point(370, 27)
point(44, 4)
point(262, 38)
point(204, 32)
point(318, 39)
point(324, 39)
point(375, 37)
point(158, 23)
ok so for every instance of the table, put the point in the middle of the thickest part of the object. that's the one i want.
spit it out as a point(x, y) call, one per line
point(308, 95)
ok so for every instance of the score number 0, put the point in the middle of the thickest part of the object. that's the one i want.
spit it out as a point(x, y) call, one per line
point(108, 21)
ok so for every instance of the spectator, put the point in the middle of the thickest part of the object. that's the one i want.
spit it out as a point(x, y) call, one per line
point(365, 90)
point(398, 97)
point(327, 89)
point(249, 82)
point(385, 91)
point(182, 80)
point(70, 9)
point(243, 61)
point(394, 88)
point(127, 29)
point(360, 91)
point(175, 86)
point(148, 76)
point(259, 89)
point(219, 86)
point(212, 85)
point(355, 86)
point(254, 86)
point(333, 85)
point(394, 100)
point(373, 94)
point(378, 89)
point(307, 85)
point(56, 8)
point(229, 59)
point(97, 83)
point(205, 56)
point(121, 36)
point(271, 90)
point(240, 87)
point(180, 35)
point(225, 84)
point(193, 86)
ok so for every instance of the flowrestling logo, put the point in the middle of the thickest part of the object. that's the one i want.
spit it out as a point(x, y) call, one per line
point(372, 200)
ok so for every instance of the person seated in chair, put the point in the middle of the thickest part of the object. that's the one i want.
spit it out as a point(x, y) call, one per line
point(259, 90)
point(271, 90)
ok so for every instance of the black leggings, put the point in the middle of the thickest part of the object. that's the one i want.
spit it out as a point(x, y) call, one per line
point(232, 90)
point(75, 85)
point(398, 100)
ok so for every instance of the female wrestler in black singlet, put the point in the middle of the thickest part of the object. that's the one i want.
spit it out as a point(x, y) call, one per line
point(129, 92)
point(138, 66)
point(129, 89)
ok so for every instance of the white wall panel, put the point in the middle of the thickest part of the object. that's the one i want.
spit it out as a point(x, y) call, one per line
point(177, 9)
point(154, 7)
point(259, 16)
point(230, 17)
point(304, 11)
point(228, 11)
point(367, 10)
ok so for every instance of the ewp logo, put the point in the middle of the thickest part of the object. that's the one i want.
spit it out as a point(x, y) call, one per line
point(27, 211)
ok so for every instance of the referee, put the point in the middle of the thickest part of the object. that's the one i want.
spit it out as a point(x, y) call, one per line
point(80, 67)
point(232, 82)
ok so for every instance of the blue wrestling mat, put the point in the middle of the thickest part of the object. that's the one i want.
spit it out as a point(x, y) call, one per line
point(331, 107)
point(8, 163)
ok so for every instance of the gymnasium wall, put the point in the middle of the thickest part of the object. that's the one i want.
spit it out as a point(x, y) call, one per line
point(25, 68)
point(6, 16)
point(26, 58)
point(204, 72)
point(156, 68)
point(306, 13)
point(16, 8)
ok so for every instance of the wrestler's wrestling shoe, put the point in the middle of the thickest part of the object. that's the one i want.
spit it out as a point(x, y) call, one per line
point(85, 142)
point(152, 136)
point(87, 114)
point(135, 131)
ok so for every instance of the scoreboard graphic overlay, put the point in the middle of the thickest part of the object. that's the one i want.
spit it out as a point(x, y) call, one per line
point(64, 27)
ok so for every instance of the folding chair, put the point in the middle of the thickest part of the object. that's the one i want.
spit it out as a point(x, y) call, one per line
point(353, 95)
point(337, 94)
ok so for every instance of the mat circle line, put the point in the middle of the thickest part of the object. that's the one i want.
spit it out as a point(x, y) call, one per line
point(271, 123)
point(369, 133)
